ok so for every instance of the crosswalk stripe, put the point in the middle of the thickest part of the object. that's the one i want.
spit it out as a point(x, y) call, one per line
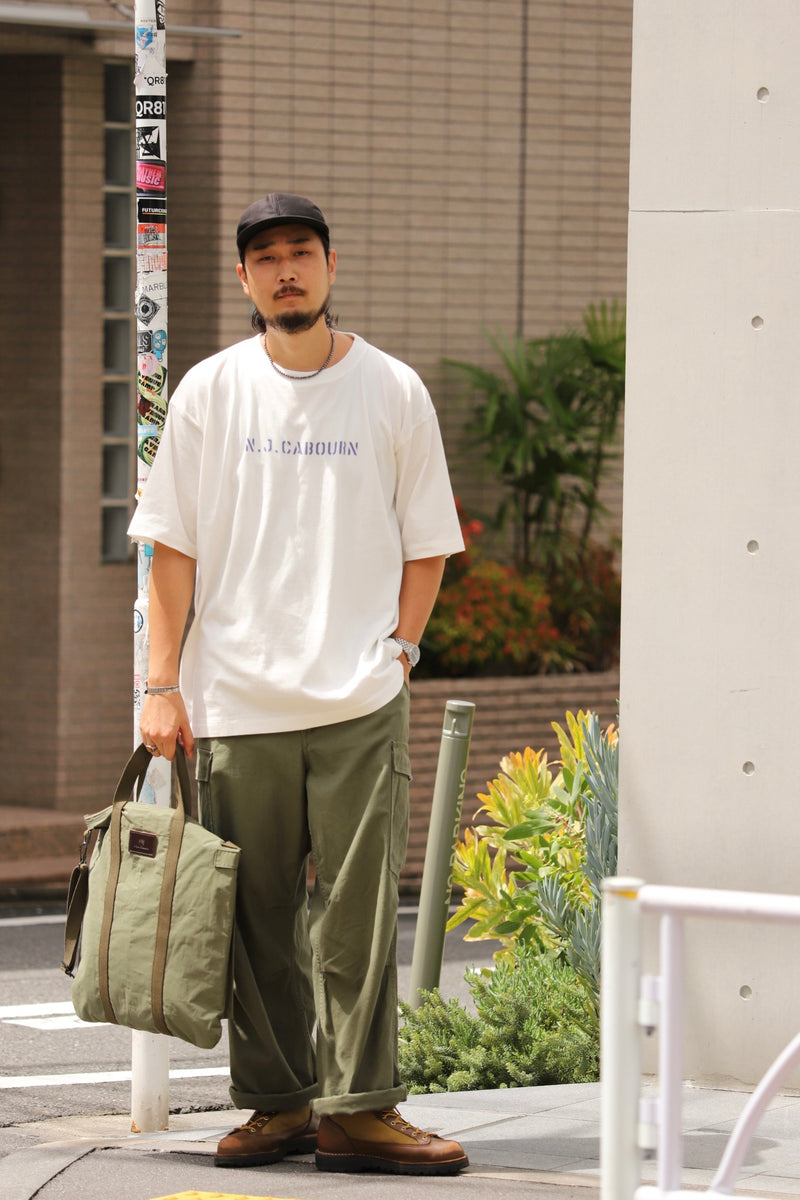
point(51, 1008)
point(29, 1081)
point(21, 922)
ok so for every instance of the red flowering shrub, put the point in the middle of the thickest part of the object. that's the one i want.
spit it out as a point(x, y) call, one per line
point(491, 619)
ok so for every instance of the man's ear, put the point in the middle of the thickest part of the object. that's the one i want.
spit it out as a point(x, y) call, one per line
point(240, 271)
point(331, 266)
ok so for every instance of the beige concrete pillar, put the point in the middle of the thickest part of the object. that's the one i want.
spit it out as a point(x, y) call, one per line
point(710, 789)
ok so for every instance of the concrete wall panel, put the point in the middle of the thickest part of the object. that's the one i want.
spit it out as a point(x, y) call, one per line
point(716, 122)
point(711, 575)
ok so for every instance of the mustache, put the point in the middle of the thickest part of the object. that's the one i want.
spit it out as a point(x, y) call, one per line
point(288, 291)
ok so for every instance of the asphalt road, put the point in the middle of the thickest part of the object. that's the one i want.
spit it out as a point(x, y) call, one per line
point(53, 1065)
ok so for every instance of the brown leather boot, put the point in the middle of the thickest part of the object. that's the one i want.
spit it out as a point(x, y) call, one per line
point(267, 1138)
point(384, 1141)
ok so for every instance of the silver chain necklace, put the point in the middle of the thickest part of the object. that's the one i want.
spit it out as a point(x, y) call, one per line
point(292, 374)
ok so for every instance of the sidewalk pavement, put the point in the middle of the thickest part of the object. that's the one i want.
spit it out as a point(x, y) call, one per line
point(522, 1142)
point(531, 1143)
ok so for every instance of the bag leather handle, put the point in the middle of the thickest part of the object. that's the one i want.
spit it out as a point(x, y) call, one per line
point(136, 769)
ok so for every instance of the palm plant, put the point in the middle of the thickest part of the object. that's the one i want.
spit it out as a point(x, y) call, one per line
point(547, 422)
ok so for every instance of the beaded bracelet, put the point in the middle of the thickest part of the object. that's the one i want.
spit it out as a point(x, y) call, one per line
point(162, 691)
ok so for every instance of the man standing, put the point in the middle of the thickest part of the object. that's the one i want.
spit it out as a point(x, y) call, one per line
point(300, 496)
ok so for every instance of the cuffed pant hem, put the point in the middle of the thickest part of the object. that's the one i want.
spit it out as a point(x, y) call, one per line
point(359, 1102)
point(274, 1102)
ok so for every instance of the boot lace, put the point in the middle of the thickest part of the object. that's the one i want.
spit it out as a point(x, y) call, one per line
point(398, 1121)
point(256, 1122)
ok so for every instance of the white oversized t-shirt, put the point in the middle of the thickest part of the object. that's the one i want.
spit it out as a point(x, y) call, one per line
point(300, 499)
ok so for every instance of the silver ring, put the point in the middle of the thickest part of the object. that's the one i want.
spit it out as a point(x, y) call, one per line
point(152, 749)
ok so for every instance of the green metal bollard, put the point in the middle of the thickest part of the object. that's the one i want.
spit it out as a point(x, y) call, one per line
point(445, 824)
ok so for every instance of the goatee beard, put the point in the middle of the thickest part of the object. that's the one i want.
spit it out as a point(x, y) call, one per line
point(296, 322)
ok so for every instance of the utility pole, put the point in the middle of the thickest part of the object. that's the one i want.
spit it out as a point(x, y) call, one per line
point(150, 1052)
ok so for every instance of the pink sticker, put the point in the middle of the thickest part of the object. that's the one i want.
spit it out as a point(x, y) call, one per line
point(148, 364)
point(151, 176)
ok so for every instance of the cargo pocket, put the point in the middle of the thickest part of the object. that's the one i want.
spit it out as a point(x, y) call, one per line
point(202, 774)
point(401, 778)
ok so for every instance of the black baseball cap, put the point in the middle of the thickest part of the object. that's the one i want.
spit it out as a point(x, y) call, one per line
point(279, 208)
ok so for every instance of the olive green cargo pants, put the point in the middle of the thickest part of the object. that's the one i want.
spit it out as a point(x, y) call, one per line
point(340, 792)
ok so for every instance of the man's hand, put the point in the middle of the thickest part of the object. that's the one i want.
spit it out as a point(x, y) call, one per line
point(164, 722)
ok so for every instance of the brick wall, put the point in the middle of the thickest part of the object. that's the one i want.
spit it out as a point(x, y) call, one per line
point(30, 282)
point(472, 159)
point(30, 419)
point(193, 212)
point(68, 618)
point(95, 600)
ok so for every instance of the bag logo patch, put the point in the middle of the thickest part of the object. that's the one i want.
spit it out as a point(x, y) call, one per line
point(143, 843)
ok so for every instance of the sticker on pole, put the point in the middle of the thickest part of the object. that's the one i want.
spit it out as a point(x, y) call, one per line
point(151, 108)
point(146, 309)
point(150, 139)
point(151, 235)
point(151, 412)
point(148, 448)
point(151, 342)
point(150, 261)
point(151, 176)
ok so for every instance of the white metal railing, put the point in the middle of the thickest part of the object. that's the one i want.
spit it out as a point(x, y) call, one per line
point(632, 1002)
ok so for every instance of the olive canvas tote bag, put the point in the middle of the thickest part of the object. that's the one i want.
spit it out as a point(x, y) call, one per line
point(150, 918)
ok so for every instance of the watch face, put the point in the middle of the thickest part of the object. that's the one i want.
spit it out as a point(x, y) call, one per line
point(410, 650)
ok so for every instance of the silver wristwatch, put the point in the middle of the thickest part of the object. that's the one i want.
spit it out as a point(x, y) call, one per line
point(409, 649)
